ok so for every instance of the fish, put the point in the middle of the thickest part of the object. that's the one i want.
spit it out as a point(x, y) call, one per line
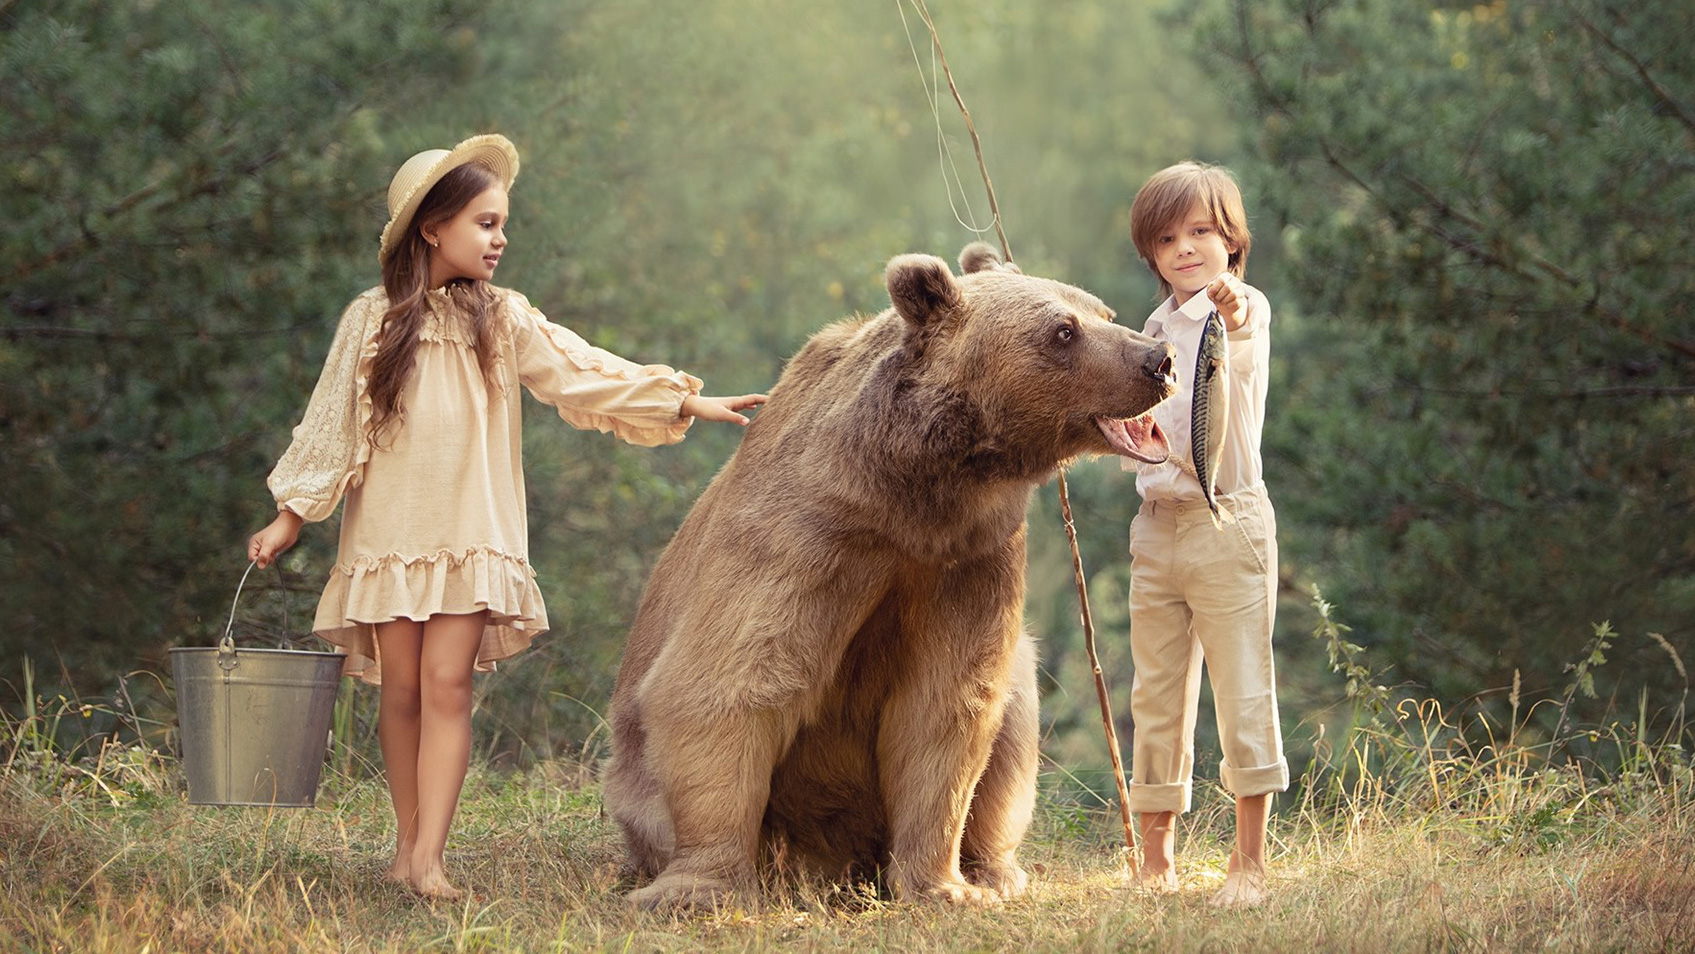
point(1209, 411)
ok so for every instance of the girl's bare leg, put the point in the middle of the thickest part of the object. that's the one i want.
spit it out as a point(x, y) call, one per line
point(397, 733)
point(1244, 879)
point(1158, 870)
point(446, 660)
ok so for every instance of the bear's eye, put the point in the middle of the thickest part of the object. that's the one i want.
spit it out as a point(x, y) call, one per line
point(1065, 334)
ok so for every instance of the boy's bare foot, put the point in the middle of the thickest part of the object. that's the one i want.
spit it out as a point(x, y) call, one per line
point(1242, 889)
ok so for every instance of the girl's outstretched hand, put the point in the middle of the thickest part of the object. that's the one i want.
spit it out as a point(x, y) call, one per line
point(720, 408)
point(279, 535)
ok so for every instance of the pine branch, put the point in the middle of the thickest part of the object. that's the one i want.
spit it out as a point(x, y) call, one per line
point(1461, 243)
point(1659, 92)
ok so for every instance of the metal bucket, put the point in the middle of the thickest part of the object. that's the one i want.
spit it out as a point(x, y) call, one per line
point(254, 723)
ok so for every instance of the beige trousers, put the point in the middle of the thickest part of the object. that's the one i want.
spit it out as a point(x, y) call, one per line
point(1200, 592)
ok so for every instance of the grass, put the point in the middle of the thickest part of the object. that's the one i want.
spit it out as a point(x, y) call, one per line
point(1415, 829)
point(1558, 863)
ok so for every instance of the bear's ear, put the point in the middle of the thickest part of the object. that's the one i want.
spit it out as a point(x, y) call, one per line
point(982, 257)
point(921, 288)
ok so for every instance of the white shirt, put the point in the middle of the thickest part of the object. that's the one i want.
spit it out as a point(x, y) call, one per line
point(1249, 346)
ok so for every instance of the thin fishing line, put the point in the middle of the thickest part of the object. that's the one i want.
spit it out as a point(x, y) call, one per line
point(944, 153)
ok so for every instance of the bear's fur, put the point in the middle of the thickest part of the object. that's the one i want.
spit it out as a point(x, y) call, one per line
point(829, 660)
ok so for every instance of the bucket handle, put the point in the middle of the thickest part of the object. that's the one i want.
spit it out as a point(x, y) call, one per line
point(226, 646)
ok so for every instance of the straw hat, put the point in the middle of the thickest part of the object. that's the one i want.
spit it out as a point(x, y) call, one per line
point(421, 172)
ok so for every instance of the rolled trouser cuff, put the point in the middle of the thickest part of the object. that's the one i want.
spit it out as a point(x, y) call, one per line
point(1260, 780)
point(1167, 797)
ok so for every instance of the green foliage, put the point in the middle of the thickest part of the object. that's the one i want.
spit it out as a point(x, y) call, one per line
point(1346, 660)
point(1483, 441)
point(180, 234)
point(1470, 220)
point(1516, 785)
point(1583, 679)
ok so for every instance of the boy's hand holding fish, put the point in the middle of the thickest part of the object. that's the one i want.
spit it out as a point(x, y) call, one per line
point(1230, 297)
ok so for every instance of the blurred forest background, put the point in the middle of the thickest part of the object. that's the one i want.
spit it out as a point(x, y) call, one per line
point(1474, 222)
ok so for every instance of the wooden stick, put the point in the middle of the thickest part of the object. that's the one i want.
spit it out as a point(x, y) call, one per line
point(1100, 680)
point(1064, 497)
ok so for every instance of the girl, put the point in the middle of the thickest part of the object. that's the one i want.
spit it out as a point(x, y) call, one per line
point(415, 424)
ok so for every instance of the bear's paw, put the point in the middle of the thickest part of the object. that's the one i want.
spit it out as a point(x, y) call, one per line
point(683, 892)
point(1007, 880)
point(955, 892)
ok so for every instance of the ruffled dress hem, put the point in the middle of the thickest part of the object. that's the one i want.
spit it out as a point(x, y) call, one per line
point(367, 591)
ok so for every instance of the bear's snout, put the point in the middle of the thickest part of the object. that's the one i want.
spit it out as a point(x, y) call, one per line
point(1158, 366)
point(1147, 367)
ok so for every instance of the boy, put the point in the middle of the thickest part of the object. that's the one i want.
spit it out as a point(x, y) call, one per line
point(1201, 589)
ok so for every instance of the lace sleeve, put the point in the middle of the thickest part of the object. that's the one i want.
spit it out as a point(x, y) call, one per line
point(594, 388)
point(328, 452)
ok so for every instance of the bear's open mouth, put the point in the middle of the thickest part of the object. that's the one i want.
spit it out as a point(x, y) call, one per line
point(1136, 437)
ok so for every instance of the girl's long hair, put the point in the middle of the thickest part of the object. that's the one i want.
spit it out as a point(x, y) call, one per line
point(406, 278)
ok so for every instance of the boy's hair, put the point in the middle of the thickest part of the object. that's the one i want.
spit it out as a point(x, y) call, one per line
point(1167, 197)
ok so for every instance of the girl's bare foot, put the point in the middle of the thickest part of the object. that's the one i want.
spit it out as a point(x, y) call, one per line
point(399, 871)
point(432, 883)
point(1160, 881)
point(1242, 889)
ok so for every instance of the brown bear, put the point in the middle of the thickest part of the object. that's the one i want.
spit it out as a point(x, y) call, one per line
point(828, 661)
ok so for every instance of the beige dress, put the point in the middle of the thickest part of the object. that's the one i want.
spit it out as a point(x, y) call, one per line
point(434, 520)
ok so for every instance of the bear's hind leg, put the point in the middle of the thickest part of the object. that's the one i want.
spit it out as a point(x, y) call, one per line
point(930, 753)
point(716, 774)
point(961, 636)
point(633, 798)
point(1005, 799)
